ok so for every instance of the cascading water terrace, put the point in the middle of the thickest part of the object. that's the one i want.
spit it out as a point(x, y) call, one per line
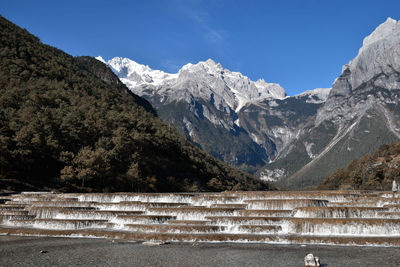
point(325, 217)
point(338, 212)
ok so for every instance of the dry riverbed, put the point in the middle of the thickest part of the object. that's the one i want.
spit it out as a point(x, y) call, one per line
point(26, 251)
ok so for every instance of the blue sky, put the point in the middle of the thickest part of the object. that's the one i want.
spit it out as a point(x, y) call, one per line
point(301, 44)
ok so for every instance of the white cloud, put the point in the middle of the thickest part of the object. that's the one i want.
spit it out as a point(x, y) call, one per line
point(213, 36)
point(196, 11)
point(172, 65)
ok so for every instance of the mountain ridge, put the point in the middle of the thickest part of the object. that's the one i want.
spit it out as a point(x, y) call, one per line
point(239, 87)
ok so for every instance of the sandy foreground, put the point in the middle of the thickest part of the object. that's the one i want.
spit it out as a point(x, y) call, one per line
point(25, 251)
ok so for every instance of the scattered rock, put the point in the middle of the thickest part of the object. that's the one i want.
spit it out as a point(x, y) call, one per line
point(43, 251)
point(156, 243)
point(311, 261)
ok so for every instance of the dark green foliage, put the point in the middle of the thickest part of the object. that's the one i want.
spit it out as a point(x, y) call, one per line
point(101, 71)
point(69, 123)
point(373, 171)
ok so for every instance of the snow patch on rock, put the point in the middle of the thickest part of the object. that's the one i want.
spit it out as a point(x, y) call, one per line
point(272, 175)
point(317, 96)
point(308, 147)
point(99, 58)
point(137, 74)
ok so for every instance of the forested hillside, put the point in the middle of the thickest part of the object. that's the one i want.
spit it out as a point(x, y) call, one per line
point(69, 124)
point(374, 171)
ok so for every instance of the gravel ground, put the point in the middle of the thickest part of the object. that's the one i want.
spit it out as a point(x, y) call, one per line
point(25, 251)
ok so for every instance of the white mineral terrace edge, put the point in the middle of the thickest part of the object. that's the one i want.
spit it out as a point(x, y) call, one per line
point(362, 218)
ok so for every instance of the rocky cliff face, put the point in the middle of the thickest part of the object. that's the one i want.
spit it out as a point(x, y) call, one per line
point(361, 113)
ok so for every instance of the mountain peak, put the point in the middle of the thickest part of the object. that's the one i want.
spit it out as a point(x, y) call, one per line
point(127, 65)
point(379, 54)
point(244, 89)
point(209, 66)
point(210, 62)
point(134, 74)
point(390, 20)
point(383, 31)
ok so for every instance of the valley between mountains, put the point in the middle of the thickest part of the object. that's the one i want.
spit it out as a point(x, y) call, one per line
point(293, 141)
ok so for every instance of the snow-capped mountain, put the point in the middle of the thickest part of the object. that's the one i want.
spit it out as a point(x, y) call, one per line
point(205, 79)
point(136, 74)
point(221, 110)
point(299, 139)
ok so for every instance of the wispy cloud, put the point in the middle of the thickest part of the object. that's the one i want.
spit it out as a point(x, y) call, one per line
point(172, 65)
point(197, 12)
point(213, 36)
point(200, 17)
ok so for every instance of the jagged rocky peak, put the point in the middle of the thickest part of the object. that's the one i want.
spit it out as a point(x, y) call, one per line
point(126, 66)
point(270, 89)
point(377, 62)
point(379, 55)
point(135, 74)
point(207, 80)
point(223, 81)
point(208, 66)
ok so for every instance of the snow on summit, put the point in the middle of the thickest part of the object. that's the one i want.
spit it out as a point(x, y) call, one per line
point(136, 74)
point(206, 79)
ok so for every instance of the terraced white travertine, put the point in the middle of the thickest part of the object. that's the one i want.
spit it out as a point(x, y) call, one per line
point(332, 217)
